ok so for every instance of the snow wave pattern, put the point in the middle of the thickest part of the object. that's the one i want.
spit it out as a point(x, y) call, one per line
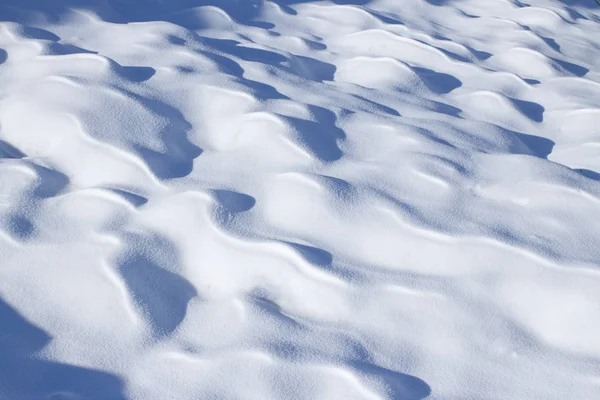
point(295, 199)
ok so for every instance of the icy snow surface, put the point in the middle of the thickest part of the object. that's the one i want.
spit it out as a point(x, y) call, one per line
point(296, 199)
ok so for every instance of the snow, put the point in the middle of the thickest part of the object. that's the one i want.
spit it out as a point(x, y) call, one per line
point(299, 199)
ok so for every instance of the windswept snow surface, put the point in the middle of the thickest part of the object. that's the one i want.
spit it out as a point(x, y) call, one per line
point(295, 199)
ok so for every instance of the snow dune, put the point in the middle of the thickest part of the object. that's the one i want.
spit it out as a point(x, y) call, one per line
point(297, 199)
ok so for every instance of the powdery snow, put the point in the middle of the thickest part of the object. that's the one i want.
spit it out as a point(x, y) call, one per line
point(295, 199)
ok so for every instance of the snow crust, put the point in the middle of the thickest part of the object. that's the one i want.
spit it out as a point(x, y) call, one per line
point(295, 199)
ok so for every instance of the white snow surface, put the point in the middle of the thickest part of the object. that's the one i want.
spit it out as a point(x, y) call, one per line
point(296, 199)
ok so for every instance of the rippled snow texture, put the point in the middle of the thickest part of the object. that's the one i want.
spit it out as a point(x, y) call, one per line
point(295, 199)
